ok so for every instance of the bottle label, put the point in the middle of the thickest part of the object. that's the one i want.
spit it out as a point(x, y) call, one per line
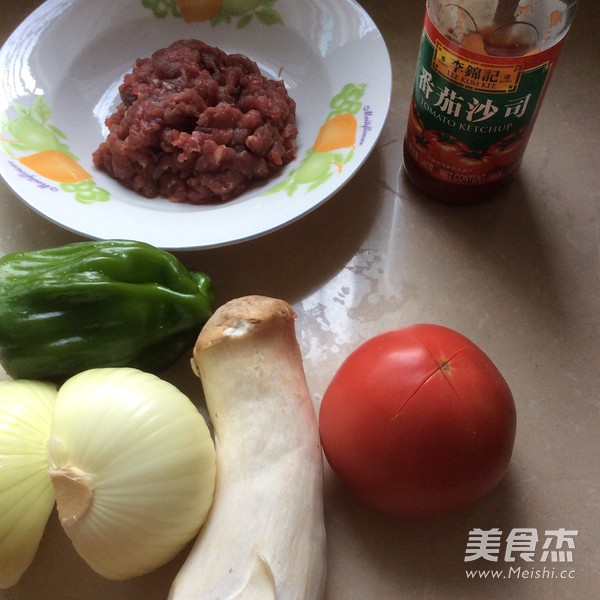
point(471, 114)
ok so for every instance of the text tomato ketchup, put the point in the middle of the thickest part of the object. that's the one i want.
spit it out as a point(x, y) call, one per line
point(477, 93)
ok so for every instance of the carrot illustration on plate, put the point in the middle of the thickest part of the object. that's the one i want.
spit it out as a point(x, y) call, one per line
point(333, 147)
point(198, 10)
point(338, 132)
point(30, 139)
point(55, 165)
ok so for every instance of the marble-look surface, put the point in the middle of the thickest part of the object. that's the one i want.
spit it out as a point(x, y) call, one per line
point(519, 275)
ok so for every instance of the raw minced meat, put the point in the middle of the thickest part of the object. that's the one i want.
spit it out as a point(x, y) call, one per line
point(197, 125)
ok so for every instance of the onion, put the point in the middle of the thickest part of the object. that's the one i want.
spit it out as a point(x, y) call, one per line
point(26, 497)
point(133, 467)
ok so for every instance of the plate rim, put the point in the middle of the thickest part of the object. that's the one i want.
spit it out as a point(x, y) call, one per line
point(384, 70)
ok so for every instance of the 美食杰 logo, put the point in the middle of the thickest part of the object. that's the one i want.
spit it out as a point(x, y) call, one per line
point(541, 554)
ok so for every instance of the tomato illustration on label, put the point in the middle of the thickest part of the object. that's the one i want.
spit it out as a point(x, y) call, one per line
point(240, 12)
point(441, 152)
point(333, 146)
point(510, 149)
point(41, 147)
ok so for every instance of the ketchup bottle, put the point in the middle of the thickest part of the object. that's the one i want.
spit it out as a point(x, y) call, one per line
point(482, 71)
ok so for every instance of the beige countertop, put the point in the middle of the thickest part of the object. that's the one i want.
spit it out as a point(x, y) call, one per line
point(519, 275)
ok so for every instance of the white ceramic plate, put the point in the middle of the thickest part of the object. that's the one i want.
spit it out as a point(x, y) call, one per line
point(59, 77)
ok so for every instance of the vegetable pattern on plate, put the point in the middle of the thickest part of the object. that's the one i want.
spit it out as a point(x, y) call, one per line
point(333, 147)
point(242, 12)
point(38, 146)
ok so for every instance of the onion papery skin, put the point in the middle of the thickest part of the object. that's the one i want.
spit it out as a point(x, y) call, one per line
point(26, 495)
point(146, 453)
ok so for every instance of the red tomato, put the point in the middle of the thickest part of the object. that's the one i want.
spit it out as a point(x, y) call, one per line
point(418, 422)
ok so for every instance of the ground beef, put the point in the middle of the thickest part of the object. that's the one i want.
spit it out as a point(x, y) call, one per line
point(197, 125)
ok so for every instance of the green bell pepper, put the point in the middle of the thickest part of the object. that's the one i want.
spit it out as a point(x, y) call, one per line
point(98, 304)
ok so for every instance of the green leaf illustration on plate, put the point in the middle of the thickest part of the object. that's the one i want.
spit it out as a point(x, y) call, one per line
point(162, 8)
point(333, 147)
point(40, 147)
point(239, 12)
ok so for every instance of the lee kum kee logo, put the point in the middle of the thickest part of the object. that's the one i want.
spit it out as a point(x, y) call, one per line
point(543, 555)
point(474, 75)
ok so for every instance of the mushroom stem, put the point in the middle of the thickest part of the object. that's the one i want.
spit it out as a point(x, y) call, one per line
point(264, 538)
